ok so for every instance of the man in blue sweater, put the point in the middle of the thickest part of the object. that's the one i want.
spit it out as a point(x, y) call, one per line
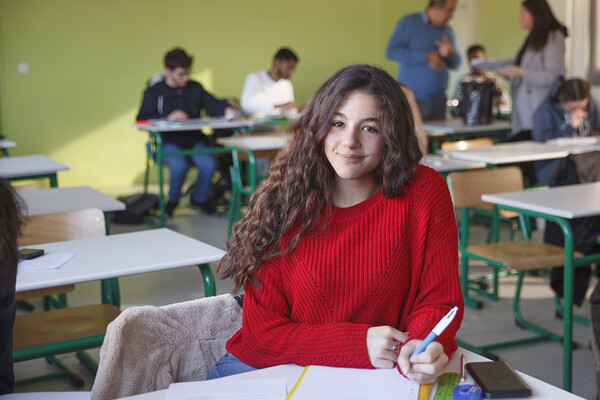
point(423, 44)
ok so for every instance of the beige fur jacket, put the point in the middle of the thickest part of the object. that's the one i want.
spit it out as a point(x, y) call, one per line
point(147, 348)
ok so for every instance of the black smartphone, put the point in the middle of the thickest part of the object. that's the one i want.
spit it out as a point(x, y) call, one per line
point(28, 254)
point(498, 380)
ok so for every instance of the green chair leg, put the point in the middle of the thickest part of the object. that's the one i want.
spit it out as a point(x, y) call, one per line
point(210, 288)
point(576, 318)
point(63, 371)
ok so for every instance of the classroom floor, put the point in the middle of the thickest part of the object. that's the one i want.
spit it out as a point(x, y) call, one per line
point(491, 323)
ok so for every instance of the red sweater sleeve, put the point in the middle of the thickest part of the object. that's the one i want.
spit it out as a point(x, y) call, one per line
point(435, 283)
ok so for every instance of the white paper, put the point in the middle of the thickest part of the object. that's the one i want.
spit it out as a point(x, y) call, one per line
point(353, 383)
point(45, 262)
point(574, 141)
point(239, 389)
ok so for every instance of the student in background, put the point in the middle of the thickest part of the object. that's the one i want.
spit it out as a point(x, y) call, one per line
point(177, 98)
point(419, 129)
point(423, 45)
point(477, 52)
point(9, 257)
point(348, 254)
point(567, 111)
point(271, 92)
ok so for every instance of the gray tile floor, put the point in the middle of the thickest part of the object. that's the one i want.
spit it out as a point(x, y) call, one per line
point(491, 323)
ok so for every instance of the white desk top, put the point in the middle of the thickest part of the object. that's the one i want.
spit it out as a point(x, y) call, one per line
point(58, 200)
point(291, 373)
point(21, 166)
point(194, 124)
point(571, 201)
point(456, 125)
point(510, 152)
point(119, 255)
point(441, 164)
point(255, 143)
point(7, 144)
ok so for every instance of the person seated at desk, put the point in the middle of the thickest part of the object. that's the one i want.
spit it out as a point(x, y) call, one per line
point(348, 255)
point(177, 98)
point(9, 257)
point(567, 111)
point(271, 92)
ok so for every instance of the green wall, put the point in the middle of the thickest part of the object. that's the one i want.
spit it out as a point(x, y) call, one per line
point(89, 61)
point(500, 31)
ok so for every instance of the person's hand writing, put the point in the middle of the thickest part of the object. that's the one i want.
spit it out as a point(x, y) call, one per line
point(512, 72)
point(445, 48)
point(424, 367)
point(435, 62)
point(380, 344)
point(178, 115)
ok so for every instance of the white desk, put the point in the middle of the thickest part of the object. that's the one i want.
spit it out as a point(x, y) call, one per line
point(6, 144)
point(511, 152)
point(444, 165)
point(120, 255)
point(558, 204)
point(291, 373)
point(255, 143)
point(30, 167)
point(58, 200)
point(457, 126)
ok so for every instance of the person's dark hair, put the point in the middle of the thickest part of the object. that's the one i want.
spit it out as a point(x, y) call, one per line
point(544, 22)
point(285, 54)
point(573, 90)
point(438, 3)
point(299, 188)
point(178, 58)
point(10, 222)
point(474, 49)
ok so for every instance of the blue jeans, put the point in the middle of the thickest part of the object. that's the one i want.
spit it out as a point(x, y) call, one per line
point(228, 365)
point(179, 166)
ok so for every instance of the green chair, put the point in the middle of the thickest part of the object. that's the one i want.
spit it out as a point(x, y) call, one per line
point(517, 257)
point(66, 329)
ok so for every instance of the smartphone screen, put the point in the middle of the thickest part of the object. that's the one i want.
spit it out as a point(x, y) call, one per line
point(26, 254)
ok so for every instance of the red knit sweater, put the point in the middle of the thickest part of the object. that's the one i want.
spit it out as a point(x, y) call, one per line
point(381, 262)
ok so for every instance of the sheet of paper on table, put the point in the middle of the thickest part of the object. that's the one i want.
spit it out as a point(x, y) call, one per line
point(45, 262)
point(328, 383)
point(242, 389)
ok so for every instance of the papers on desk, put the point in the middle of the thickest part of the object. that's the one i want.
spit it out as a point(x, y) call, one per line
point(241, 389)
point(45, 262)
point(574, 141)
point(328, 383)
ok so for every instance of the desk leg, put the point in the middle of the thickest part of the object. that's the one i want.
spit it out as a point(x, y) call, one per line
point(568, 307)
point(53, 180)
point(210, 288)
point(162, 219)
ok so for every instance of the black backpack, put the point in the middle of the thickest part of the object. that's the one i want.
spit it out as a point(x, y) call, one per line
point(137, 207)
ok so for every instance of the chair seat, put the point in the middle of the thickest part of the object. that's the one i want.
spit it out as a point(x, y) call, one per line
point(522, 255)
point(28, 294)
point(61, 325)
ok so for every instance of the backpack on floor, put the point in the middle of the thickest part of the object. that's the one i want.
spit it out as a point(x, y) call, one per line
point(137, 207)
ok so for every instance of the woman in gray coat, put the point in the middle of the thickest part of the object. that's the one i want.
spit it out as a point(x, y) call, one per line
point(538, 63)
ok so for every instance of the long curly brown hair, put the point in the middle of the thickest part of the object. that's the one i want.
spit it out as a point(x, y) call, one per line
point(299, 187)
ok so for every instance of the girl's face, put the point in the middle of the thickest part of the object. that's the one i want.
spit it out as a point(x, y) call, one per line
point(526, 19)
point(572, 106)
point(354, 143)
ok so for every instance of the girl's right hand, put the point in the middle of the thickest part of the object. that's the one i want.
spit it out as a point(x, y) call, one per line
point(381, 342)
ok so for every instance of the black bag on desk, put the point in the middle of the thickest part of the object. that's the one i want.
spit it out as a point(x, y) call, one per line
point(476, 100)
point(137, 207)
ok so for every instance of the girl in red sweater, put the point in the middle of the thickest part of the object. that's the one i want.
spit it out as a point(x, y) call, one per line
point(348, 255)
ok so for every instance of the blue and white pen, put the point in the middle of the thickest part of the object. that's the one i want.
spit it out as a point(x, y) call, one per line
point(437, 331)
